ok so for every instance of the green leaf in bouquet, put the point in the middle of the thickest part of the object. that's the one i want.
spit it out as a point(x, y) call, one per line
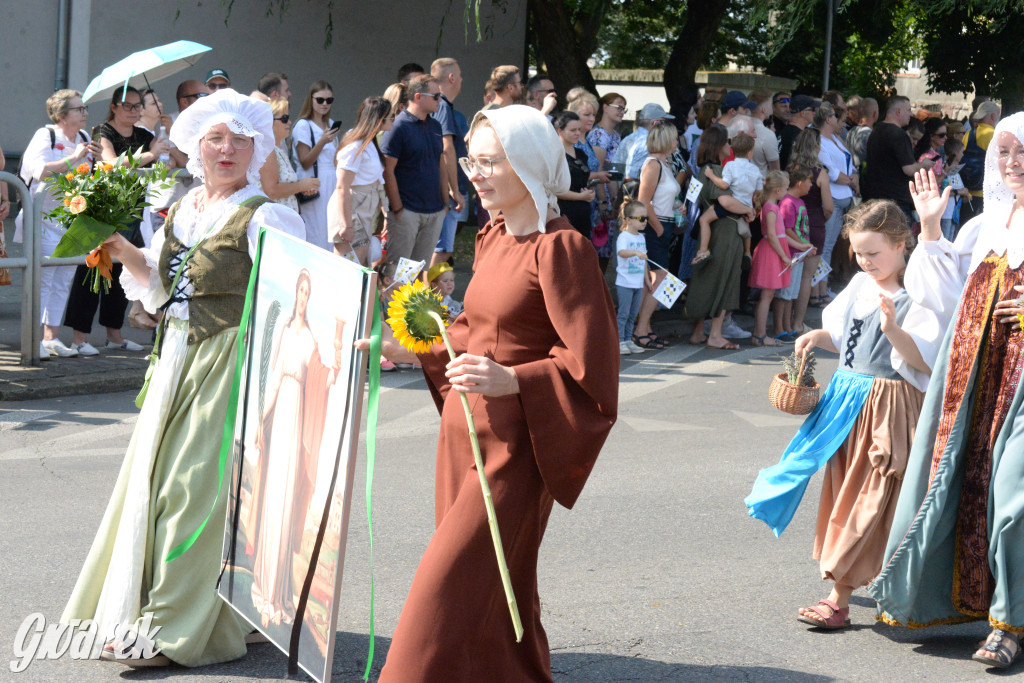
point(83, 235)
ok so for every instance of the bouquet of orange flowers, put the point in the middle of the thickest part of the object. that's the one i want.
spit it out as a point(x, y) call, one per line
point(96, 203)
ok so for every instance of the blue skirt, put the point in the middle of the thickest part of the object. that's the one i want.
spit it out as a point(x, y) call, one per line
point(778, 489)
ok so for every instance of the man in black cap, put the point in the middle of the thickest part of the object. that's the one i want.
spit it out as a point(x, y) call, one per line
point(217, 79)
point(801, 109)
point(780, 112)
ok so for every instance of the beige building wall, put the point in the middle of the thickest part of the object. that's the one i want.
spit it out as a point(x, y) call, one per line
point(371, 40)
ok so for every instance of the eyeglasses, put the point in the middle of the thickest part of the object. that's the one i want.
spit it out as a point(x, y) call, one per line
point(781, 100)
point(284, 118)
point(641, 219)
point(131, 107)
point(218, 86)
point(80, 110)
point(483, 166)
point(239, 142)
point(435, 95)
point(941, 135)
point(194, 96)
point(324, 100)
point(544, 90)
point(621, 107)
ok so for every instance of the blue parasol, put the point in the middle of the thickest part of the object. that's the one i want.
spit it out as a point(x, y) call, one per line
point(141, 68)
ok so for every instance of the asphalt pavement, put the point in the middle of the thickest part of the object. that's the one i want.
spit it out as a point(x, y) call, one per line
point(657, 574)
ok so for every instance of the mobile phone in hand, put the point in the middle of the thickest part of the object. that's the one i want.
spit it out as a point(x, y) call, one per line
point(337, 125)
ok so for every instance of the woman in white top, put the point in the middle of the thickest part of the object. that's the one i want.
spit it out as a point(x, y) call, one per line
point(277, 176)
point(658, 191)
point(313, 140)
point(359, 195)
point(842, 174)
point(55, 149)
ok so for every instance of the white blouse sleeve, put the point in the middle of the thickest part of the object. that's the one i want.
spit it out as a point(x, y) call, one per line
point(151, 294)
point(935, 278)
point(277, 216)
point(833, 316)
point(923, 328)
point(35, 156)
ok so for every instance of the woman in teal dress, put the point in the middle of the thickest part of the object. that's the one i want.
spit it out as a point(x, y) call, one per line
point(956, 550)
point(168, 487)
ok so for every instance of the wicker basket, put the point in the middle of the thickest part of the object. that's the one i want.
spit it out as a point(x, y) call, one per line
point(794, 399)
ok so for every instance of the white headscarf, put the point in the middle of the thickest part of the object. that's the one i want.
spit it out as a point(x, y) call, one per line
point(243, 115)
point(534, 151)
point(997, 195)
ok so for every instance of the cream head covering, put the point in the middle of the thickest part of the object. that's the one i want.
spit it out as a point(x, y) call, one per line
point(243, 115)
point(997, 194)
point(534, 151)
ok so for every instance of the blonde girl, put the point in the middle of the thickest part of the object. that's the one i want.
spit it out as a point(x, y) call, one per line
point(862, 428)
point(770, 268)
point(631, 272)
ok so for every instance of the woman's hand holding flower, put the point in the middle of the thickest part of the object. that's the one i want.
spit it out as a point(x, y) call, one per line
point(481, 375)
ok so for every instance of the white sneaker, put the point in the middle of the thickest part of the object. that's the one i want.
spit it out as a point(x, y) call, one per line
point(85, 349)
point(126, 345)
point(734, 331)
point(624, 349)
point(44, 353)
point(635, 348)
point(55, 347)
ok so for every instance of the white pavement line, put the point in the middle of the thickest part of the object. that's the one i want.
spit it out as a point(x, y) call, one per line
point(643, 424)
point(15, 418)
point(65, 446)
point(646, 378)
point(779, 419)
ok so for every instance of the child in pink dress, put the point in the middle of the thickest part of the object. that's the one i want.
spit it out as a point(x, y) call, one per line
point(770, 268)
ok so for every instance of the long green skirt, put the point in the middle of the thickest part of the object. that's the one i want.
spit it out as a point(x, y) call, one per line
point(167, 485)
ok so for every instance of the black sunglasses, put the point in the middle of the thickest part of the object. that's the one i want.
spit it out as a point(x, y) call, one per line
point(435, 95)
point(284, 118)
point(324, 100)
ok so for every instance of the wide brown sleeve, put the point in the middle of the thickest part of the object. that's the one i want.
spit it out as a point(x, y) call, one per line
point(570, 398)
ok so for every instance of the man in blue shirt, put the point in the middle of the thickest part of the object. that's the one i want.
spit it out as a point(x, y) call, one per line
point(415, 178)
point(449, 77)
point(633, 149)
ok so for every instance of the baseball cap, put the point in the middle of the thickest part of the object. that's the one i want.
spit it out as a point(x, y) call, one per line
point(800, 103)
point(652, 111)
point(733, 99)
point(216, 73)
point(984, 109)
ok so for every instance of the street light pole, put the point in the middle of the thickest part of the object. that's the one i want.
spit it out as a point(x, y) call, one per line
point(830, 9)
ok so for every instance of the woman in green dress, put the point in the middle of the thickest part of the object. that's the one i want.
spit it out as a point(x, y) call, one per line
point(169, 484)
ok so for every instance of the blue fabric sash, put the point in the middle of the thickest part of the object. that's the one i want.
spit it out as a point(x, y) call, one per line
point(779, 488)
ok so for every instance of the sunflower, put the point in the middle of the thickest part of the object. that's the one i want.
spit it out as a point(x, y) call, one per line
point(410, 320)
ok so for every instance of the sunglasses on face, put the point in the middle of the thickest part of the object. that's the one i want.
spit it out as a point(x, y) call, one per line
point(324, 100)
point(194, 96)
point(620, 107)
point(284, 118)
point(218, 86)
point(782, 100)
point(435, 95)
point(941, 135)
point(640, 219)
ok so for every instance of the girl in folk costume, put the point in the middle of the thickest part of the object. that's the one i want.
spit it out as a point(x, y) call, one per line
point(863, 426)
point(168, 483)
point(956, 552)
point(288, 438)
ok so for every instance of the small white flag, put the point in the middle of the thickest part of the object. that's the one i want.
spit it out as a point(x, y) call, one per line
point(669, 290)
point(407, 270)
point(694, 190)
point(956, 182)
point(821, 273)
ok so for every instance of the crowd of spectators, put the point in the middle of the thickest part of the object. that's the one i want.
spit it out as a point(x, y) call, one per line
point(392, 186)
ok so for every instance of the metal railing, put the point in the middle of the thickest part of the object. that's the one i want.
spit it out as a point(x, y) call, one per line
point(30, 262)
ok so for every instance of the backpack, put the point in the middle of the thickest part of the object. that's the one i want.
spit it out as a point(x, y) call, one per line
point(53, 143)
point(973, 171)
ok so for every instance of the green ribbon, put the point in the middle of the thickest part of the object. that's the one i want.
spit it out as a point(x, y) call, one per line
point(371, 452)
point(229, 422)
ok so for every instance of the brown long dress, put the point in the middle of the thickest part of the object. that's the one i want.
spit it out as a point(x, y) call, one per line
point(537, 303)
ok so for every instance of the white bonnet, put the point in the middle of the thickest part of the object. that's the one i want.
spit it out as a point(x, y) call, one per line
point(996, 193)
point(243, 115)
point(534, 151)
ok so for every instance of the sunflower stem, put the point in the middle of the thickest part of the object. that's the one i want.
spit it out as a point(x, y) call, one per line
point(492, 520)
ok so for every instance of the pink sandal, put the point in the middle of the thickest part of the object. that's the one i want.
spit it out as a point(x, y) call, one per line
point(833, 620)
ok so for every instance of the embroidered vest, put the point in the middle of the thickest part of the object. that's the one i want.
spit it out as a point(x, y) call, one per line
point(218, 270)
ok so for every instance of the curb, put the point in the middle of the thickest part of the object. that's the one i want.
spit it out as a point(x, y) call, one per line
point(56, 387)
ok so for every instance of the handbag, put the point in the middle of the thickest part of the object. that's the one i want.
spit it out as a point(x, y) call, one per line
point(154, 356)
point(306, 198)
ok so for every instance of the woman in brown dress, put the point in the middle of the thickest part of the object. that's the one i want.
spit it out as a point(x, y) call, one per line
point(536, 345)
